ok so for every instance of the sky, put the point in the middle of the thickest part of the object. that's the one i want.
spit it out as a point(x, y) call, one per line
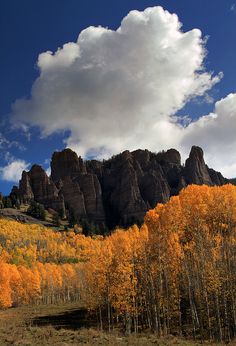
point(104, 76)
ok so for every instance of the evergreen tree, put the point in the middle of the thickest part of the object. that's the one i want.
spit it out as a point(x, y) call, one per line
point(73, 219)
point(7, 203)
point(56, 220)
point(37, 210)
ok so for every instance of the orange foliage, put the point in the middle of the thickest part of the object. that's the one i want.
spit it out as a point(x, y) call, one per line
point(177, 270)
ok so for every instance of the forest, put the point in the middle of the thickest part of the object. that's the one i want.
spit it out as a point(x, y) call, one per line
point(176, 274)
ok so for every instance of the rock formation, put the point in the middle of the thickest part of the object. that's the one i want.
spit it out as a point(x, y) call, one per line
point(196, 171)
point(117, 191)
point(36, 185)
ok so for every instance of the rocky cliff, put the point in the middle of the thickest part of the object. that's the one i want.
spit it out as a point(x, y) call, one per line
point(117, 191)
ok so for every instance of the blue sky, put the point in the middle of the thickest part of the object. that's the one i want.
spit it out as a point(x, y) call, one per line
point(29, 28)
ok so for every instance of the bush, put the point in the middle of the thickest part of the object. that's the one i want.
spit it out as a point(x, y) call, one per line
point(73, 219)
point(37, 210)
point(7, 203)
point(56, 220)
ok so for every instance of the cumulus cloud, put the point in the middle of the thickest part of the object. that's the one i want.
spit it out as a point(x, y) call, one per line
point(117, 90)
point(215, 132)
point(12, 171)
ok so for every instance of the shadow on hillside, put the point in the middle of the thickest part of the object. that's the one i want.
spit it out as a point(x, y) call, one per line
point(71, 319)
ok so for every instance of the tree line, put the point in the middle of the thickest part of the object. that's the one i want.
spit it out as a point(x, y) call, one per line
point(176, 274)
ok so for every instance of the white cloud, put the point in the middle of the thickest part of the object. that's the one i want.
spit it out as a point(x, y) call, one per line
point(48, 171)
point(215, 133)
point(5, 143)
point(12, 171)
point(233, 8)
point(116, 90)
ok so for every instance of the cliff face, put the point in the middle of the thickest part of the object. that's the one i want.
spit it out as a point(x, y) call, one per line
point(36, 185)
point(196, 171)
point(118, 191)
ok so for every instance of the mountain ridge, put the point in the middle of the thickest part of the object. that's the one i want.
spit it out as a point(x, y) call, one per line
point(117, 191)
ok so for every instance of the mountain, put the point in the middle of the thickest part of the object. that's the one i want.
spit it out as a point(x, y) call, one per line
point(117, 191)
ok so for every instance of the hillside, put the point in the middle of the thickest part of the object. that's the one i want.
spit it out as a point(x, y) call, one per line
point(22, 216)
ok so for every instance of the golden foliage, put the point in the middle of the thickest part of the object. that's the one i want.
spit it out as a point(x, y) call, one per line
point(177, 270)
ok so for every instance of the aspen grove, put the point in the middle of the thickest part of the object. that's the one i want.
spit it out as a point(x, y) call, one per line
point(176, 274)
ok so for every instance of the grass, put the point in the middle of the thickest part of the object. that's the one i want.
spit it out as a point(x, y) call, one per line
point(63, 325)
point(21, 213)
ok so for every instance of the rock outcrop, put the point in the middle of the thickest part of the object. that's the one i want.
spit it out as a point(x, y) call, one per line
point(117, 191)
point(36, 185)
point(196, 171)
point(66, 164)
